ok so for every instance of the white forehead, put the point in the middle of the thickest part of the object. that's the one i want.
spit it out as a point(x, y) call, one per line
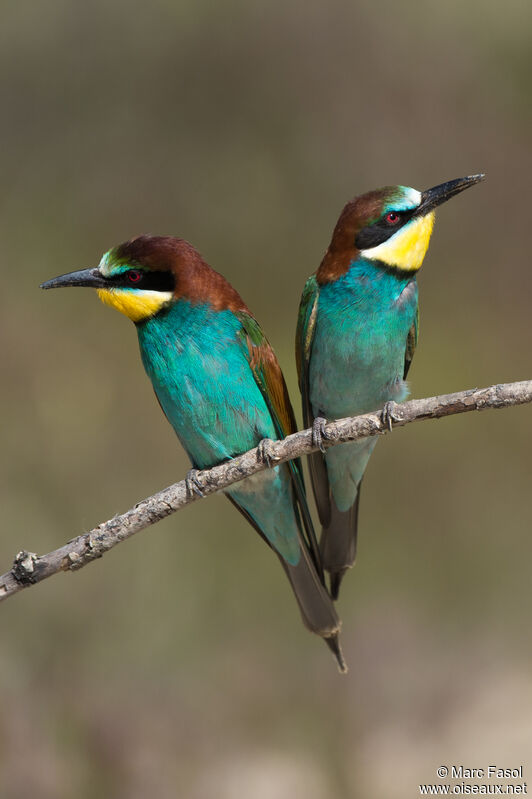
point(410, 199)
point(105, 264)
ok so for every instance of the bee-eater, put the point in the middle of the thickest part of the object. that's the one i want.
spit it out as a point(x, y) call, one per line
point(356, 336)
point(221, 388)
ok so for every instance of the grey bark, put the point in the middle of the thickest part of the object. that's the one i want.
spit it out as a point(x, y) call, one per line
point(29, 568)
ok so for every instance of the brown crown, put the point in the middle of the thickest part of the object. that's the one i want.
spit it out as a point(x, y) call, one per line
point(355, 216)
point(195, 280)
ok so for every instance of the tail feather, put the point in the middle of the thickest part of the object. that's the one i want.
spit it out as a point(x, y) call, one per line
point(315, 604)
point(317, 610)
point(338, 542)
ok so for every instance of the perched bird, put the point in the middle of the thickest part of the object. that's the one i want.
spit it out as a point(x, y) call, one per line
point(356, 336)
point(221, 388)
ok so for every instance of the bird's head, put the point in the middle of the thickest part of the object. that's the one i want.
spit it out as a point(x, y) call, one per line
point(145, 275)
point(392, 225)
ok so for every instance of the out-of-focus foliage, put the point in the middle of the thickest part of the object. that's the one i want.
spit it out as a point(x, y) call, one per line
point(177, 665)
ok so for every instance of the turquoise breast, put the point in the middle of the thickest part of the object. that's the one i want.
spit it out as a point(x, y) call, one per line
point(358, 358)
point(358, 352)
point(198, 365)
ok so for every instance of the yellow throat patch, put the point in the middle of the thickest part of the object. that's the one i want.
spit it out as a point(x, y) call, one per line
point(136, 304)
point(406, 248)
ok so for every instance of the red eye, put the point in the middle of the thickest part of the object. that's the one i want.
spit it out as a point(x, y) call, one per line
point(392, 218)
point(134, 275)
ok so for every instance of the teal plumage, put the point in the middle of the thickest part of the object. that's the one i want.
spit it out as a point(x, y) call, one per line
point(357, 333)
point(198, 363)
point(358, 359)
point(221, 388)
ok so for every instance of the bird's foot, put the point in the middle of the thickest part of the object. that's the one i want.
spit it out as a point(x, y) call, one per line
point(193, 483)
point(265, 452)
point(388, 416)
point(318, 432)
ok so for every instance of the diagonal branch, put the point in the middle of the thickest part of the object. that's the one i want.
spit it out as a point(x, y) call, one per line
point(29, 568)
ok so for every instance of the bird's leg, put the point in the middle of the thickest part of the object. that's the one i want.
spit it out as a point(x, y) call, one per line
point(388, 416)
point(265, 453)
point(193, 483)
point(318, 432)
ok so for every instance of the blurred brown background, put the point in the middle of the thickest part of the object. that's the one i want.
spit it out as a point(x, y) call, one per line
point(177, 665)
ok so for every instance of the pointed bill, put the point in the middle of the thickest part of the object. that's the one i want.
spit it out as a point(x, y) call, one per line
point(431, 198)
point(92, 278)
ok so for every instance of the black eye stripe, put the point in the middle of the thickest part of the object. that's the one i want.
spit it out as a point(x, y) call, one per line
point(147, 280)
point(380, 231)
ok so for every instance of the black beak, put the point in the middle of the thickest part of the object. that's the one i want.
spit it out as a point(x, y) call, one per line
point(440, 194)
point(85, 277)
